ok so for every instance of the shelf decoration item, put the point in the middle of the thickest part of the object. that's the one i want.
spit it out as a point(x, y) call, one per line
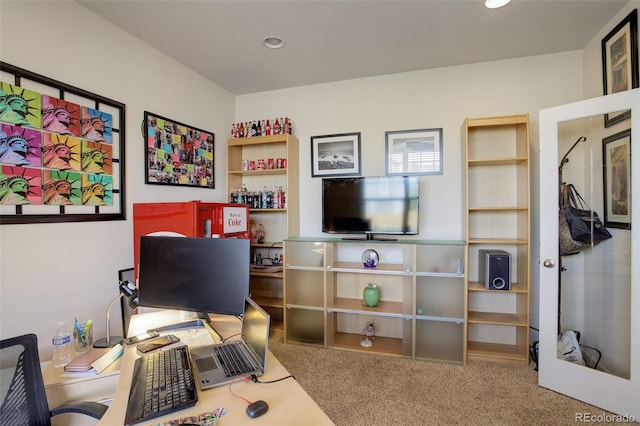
point(369, 333)
point(370, 258)
point(371, 295)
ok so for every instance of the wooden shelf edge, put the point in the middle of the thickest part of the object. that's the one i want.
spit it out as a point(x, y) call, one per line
point(267, 211)
point(256, 140)
point(268, 245)
point(276, 327)
point(267, 274)
point(356, 306)
point(258, 172)
point(505, 209)
point(304, 307)
point(269, 302)
point(498, 241)
point(497, 318)
point(497, 352)
point(358, 268)
point(384, 345)
point(503, 161)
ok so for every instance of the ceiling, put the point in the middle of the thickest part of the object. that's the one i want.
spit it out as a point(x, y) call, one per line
point(328, 41)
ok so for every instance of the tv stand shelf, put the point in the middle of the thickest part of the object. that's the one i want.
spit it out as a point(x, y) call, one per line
point(421, 311)
point(356, 267)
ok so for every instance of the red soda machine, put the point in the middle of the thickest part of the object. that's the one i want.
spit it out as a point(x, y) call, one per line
point(188, 219)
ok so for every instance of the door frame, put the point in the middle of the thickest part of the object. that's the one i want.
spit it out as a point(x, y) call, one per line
point(609, 392)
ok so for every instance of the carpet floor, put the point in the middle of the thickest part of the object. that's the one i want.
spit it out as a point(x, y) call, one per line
point(356, 388)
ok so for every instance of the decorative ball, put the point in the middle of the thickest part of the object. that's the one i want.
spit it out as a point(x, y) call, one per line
point(370, 258)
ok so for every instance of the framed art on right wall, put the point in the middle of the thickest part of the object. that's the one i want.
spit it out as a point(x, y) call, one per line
point(620, 62)
point(616, 155)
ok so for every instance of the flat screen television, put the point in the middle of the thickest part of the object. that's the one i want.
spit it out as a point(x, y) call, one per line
point(386, 205)
point(203, 275)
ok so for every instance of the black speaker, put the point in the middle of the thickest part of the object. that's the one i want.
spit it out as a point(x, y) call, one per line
point(494, 268)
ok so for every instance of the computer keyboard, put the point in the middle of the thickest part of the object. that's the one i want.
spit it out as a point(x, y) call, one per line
point(162, 383)
point(234, 362)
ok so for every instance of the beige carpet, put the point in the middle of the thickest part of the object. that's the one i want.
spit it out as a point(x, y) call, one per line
point(356, 388)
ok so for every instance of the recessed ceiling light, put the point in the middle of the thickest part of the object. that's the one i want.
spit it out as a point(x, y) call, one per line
point(273, 42)
point(494, 4)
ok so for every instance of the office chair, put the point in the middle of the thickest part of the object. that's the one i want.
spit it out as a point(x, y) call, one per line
point(24, 400)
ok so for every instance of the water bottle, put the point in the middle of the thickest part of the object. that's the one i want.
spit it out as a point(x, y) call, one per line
point(61, 346)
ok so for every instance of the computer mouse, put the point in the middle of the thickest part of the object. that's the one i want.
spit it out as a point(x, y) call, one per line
point(256, 409)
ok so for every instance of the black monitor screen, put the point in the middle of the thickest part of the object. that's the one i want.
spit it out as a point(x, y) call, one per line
point(205, 275)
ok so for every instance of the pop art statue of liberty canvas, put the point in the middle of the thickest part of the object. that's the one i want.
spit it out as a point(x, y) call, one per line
point(20, 185)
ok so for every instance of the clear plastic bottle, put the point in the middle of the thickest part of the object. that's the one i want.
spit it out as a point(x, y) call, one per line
point(62, 346)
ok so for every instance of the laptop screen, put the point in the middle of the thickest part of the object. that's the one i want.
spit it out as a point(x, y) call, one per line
point(255, 330)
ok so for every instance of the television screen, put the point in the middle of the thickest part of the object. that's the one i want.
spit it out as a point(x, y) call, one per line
point(204, 275)
point(370, 205)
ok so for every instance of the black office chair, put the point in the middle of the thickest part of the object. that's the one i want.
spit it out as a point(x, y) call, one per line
point(24, 401)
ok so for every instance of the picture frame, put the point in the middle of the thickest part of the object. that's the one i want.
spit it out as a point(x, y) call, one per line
point(69, 161)
point(414, 152)
point(335, 155)
point(616, 158)
point(620, 63)
point(177, 154)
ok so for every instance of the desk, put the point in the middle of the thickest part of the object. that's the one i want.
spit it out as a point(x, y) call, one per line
point(288, 402)
point(61, 389)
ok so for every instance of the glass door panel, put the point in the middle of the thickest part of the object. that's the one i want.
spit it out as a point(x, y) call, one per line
point(590, 300)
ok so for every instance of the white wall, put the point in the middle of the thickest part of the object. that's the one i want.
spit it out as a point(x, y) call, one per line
point(423, 99)
point(51, 272)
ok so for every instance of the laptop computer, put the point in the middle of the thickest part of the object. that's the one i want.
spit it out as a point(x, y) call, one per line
point(210, 365)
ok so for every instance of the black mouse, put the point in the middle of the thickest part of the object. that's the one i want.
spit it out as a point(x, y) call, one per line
point(256, 409)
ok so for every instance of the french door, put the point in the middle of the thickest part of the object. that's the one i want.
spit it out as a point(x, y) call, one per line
point(596, 291)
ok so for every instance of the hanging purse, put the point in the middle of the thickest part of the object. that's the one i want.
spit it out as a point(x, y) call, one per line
point(584, 224)
point(567, 244)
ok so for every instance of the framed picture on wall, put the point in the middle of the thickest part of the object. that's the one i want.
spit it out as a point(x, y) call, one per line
point(61, 151)
point(335, 155)
point(414, 152)
point(620, 62)
point(616, 156)
point(177, 154)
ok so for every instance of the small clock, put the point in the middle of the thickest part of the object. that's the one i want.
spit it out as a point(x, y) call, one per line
point(370, 258)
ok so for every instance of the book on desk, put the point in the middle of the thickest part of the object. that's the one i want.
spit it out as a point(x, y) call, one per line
point(95, 360)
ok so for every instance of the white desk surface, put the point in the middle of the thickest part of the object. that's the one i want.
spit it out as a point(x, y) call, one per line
point(288, 402)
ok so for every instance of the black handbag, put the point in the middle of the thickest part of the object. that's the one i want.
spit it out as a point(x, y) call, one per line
point(584, 223)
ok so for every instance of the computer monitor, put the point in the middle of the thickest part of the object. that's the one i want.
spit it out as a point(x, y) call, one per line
point(204, 275)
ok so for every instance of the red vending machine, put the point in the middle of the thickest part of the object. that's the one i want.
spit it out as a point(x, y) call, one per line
point(189, 219)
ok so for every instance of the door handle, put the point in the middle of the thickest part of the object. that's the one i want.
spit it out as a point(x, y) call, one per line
point(548, 263)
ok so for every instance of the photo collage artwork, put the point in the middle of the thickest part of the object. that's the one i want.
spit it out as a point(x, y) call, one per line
point(53, 152)
point(178, 154)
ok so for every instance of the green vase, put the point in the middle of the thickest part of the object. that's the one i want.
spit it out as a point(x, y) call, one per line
point(371, 295)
